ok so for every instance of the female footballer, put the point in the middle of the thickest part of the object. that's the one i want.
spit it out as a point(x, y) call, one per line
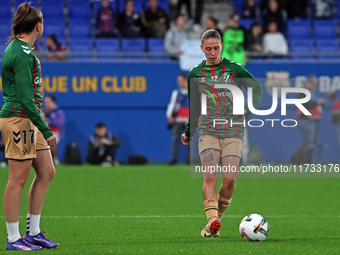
point(217, 142)
point(27, 138)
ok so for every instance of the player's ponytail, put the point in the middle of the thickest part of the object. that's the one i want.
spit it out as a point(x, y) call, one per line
point(25, 19)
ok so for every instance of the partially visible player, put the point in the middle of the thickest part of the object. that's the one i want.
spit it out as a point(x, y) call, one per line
point(217, 142)
point(26, 136)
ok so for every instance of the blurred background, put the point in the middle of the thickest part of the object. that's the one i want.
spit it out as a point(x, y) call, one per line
point(120, 63)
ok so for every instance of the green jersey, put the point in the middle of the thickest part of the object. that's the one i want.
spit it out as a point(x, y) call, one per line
point(202, 80)
point(21, 82)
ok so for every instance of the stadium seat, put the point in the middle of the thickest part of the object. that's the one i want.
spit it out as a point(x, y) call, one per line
point(80, 29)
point(138, 6)
point(329, 47)
point(5, 29)
point(238, 6)
point(81, 48)
point(3, 45)
point(79, 10)
point(246, 23)
point(324, 29)
point(303, 47)
point(54, 27)
point(162, 4)
point(52, 10)
point(157, 46)
point(96, 7)
point(5, 10)
point(299, 29)
point(107, 46)
point(133, 45)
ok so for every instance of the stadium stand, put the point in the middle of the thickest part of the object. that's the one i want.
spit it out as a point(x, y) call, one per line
point(5, 10)
point(303, 47)
point(74, 19)
point(324, 29)
point(162, 4)
point(327, 49)
point(246, 23)
point(107, 46)
point(80, 29)
point(138, 6)
point(157, 46)
point(81, 48)
point(133, 45)
point(299, 29)
point(79, 10)
point(52, 10)
point(54, 27)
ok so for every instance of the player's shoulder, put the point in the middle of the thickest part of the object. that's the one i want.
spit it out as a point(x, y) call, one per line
point(196, 69)
point(21, 49)
point(232, 64)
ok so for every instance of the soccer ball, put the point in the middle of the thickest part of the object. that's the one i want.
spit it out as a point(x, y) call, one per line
point(254, 227)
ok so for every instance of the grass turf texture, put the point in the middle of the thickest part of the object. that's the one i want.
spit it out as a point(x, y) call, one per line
point(157, 209)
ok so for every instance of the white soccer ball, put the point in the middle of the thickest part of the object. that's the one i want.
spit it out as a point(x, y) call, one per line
point(254, 227)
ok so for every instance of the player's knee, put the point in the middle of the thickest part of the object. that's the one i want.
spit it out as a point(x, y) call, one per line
point(229, 182)
point(50, 174)
point(47, 175)
point(16, 183)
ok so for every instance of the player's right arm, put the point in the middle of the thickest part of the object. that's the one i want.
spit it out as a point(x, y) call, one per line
point(194, 109)
point(23, 65)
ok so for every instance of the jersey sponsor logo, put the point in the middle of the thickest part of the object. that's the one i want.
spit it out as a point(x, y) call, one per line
point(37, 80)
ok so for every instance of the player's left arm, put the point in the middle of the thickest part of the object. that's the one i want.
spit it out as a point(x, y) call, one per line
point(247, 80)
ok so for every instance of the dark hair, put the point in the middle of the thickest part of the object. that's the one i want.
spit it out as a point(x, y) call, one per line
point(54, 39)
point(271, 22)
point(255, 24)
point(25, 19)
point(52, 98)
point(211, 33)
point(184, 76)
point(179, 15)
point(100, 125)
point(213, 20)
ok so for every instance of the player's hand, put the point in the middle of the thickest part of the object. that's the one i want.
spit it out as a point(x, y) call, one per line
point(52, 141)
point(185, 140)
point(106, 141)
point(171, 120)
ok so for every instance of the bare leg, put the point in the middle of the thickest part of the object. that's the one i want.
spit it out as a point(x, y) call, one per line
point(228, 186)
point(18, 174)
point(210, 157)
point(45, 172)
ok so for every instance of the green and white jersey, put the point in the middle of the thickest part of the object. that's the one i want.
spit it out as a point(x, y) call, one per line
point(202, 80)
point(21, 82)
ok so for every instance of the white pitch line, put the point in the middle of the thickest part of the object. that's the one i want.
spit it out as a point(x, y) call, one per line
point(172, 216)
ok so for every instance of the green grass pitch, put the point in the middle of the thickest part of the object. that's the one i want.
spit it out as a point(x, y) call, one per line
point(157, 209)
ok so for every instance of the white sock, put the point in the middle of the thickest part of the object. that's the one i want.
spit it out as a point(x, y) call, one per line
point(33, 224)
point(13, 231)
